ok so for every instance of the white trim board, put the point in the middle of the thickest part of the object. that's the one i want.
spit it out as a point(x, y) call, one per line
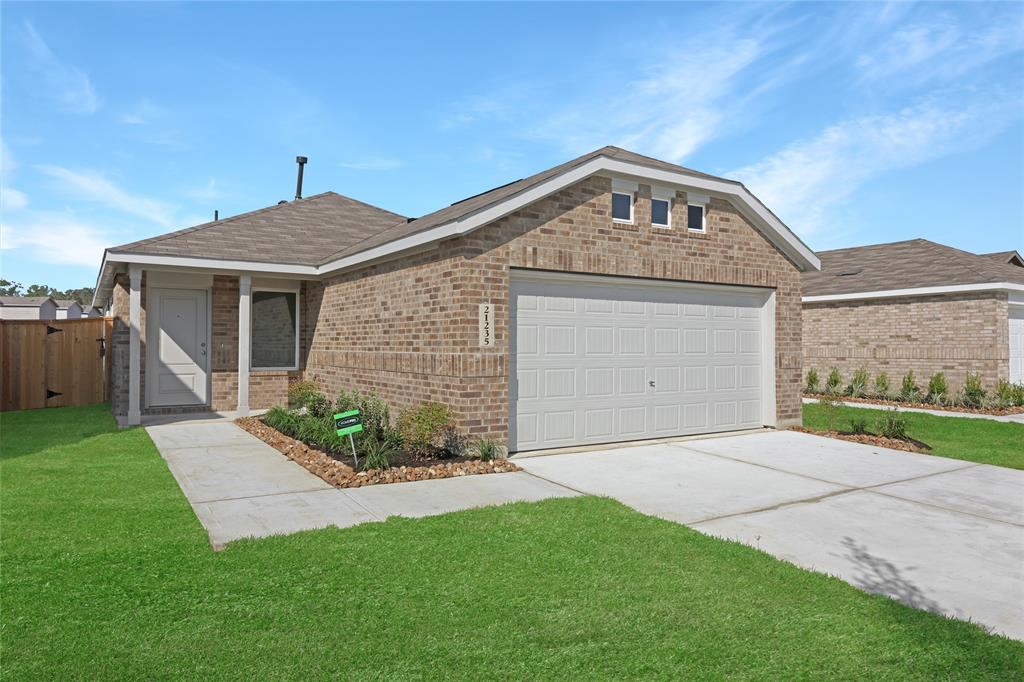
point(918, 291)
point(746, 203)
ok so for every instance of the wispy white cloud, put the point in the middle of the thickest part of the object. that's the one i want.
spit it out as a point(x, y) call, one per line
point(68, 84)
point(12, 199)
point(806, 180)
point(940, 49)
point(373, 164)
point(56, 239)
point(205, 192)
point(94, 187)
point(144, 112)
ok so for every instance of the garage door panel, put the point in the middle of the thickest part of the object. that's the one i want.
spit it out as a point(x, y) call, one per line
point(596, 362)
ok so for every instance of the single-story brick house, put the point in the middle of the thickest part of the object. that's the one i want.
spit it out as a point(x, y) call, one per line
point(916, 305)
point(613, 297)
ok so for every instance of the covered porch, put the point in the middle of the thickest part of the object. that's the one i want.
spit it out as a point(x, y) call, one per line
point(192, 341)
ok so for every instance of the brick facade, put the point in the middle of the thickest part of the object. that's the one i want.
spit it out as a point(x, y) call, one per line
point(411, 334)
point(266, 388)
point(953, 334)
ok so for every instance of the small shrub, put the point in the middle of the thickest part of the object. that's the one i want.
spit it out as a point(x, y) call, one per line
point(882, 385)
point(318, 432)
point(300, 392)
point(830, 408)
point(834, 383)
point(319, 407)
point(423, 428)
point(282, 419)
point(1004, 393)
point(909, 389)
point(813, 383)
point(488, 450)
point(1018, 394)
point(859, 383)
point(377, 454)
point(938, 388)
point(453, 443)
point(892, 425)
point(374, 412)
point(859, 425)
point(974, 392)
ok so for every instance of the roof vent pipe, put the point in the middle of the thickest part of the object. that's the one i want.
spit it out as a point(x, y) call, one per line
point(216, 215)
point(301, 160)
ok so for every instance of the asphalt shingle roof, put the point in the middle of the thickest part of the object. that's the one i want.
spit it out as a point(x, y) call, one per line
point(328, 226)
point(903, 265)
point(298, 232)
point(26, 301)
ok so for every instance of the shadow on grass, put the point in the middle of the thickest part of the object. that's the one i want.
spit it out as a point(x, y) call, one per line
point(28, 432)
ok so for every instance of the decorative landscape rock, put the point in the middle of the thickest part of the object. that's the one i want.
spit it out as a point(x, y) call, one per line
point(341, 475)
point(907, 445)
point(995, 411)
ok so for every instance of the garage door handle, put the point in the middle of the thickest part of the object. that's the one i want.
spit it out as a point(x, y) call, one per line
point(651, 384)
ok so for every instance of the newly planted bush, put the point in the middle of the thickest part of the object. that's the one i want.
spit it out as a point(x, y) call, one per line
point(909, 389)
point(830, 407)
point(1018, 394)
point(282, 419)
point(423, 428)
point(974, 392)
point(882, 385)
point(892, 425)
point(300, 393)
point(319, 407)
point(1004, 393)
point(374, 412)
point(858, 425)
point(318, 432)
point(813, 383)
point(377, 454)
point(859, 383)
point(834, 383)
point(938, 388)
point(488, 449)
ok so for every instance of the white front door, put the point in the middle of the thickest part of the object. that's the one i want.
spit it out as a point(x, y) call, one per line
point(1016, 344)
point(598, 361)
point(176, 340)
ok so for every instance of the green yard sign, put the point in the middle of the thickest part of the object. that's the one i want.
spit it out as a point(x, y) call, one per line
point(348, 423)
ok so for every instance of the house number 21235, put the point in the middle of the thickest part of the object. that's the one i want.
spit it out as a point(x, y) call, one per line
point(486, 325)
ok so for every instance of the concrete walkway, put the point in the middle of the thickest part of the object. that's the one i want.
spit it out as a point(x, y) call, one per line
point(1011, 418)
point(241, 487)
point(939, 534)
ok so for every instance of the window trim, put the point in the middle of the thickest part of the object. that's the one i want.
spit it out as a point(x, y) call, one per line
point(697, 200)
point(668, 196)
point(298, 326)
point(632, 210)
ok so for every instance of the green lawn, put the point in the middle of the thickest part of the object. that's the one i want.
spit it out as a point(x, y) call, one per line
point(976, 440)
point(108, 574)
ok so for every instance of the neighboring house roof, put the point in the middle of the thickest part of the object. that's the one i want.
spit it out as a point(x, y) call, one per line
point(904, 267)
point(328, 232)
point(24, 301)
point(64, 303)
point(1009, 257)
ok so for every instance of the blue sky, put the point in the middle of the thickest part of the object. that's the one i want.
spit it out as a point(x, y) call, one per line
point(857, 124)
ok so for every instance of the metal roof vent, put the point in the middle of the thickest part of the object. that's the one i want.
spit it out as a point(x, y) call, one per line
point(849, 272)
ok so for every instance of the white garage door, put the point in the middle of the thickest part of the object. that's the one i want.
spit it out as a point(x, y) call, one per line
point(599, 360)
point(1016, 344)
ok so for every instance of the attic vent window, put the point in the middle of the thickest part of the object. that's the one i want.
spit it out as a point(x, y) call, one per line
point(848, 273)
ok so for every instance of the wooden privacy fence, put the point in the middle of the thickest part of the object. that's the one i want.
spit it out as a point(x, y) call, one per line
point(54, 363)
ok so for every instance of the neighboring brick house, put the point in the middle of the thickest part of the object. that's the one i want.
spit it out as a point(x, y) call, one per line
point(916, 305)
point(613, 297)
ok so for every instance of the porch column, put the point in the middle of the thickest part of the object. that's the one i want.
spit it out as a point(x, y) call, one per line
point(134, 345)
point(244, 331)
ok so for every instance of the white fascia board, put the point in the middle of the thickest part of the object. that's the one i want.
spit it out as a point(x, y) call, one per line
point(919, 291)
point(752, 209)
point(213, 264)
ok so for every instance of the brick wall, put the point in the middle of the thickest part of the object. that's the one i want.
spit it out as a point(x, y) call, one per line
point(953, 334)
point(407, 328)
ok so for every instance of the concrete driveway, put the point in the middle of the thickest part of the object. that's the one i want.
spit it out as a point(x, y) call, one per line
point(938, 534)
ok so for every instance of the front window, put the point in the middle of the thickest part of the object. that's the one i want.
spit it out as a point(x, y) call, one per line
point(661, 210)
point(275, 330)
point(622, 207)
point(695, 217)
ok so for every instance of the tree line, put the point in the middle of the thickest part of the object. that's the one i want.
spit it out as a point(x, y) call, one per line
point(83, 295)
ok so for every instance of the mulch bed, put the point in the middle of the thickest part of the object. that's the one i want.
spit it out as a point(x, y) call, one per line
point(907, 445)
point(338, 470)
point(994, 411)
